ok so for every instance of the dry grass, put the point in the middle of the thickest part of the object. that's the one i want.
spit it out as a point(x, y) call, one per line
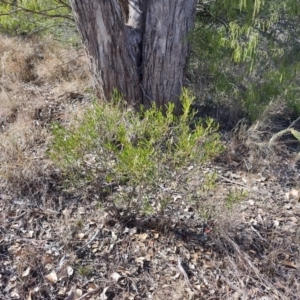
point(40, 62)
point(38, 79)
point(248, 146)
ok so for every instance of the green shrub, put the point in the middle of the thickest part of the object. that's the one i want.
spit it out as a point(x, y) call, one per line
point(115, 144)
point(32, 17)
point(245, 56)
point(235, 197)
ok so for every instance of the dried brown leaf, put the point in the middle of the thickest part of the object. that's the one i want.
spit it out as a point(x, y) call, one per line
point(52, 277)
point(289, 264)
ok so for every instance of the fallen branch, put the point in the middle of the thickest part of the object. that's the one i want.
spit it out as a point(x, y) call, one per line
point(234, 182)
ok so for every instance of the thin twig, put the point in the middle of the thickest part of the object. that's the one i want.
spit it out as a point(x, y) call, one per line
point(42, 12)
point(182, 271)
point(294, 122)
point(282, 132)
point(64, 4)
point(234, 182)
point(278, 134)
point(240, 184)
point(256, 231)
point(143, 90)
point(85, 245)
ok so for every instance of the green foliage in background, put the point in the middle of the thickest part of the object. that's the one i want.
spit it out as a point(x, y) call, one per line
point(235, 197)
point(114, 144)
point(38, 17)
point(246, 53)
point(289, 130)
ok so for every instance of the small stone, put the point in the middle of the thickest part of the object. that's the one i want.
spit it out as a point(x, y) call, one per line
point(251, 202)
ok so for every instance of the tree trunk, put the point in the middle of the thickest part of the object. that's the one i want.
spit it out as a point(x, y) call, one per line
point(138, 47)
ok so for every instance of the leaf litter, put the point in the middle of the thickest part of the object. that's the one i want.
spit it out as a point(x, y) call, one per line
point(76, 250)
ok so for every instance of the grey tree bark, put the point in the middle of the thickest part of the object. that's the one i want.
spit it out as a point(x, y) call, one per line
point(138, 47)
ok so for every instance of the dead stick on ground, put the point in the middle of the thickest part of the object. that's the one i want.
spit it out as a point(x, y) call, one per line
point(182, 271)
point(93, 237)
point(90, 293)
point(234, 182)
point(240, 184)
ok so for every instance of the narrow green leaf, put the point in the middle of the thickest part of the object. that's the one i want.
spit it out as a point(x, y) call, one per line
point(296, 134)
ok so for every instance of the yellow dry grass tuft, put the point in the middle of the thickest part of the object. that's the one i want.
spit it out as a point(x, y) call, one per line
point(38, 78)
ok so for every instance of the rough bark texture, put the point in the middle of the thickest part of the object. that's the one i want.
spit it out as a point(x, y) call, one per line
point(165, 49)
point(136, 46)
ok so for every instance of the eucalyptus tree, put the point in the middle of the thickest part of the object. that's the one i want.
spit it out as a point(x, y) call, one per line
point(138, 47)
point(243, 51)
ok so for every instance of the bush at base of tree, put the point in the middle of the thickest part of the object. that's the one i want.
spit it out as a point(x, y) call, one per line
point(113, 144)
point(246, 54)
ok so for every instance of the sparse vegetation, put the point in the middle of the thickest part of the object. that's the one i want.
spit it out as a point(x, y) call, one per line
point(28, 104)
point(114, 144)
point(235, 197)
point(99, 199)
point(84, 271)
